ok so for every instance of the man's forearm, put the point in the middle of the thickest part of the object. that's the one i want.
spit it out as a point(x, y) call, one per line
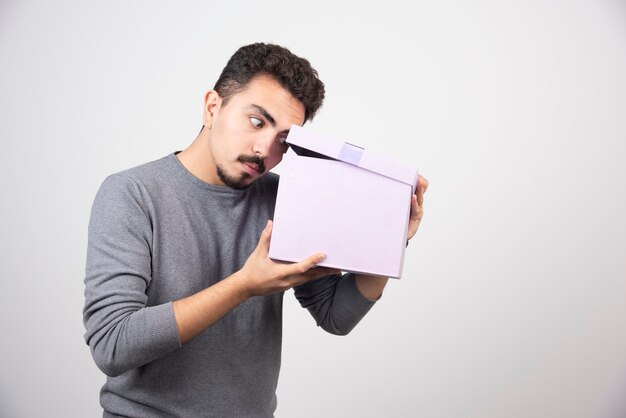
point(259, 276)
point(199, 311)
point(371, 287)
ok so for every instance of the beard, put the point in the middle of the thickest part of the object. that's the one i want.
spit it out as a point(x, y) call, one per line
point(240, 182)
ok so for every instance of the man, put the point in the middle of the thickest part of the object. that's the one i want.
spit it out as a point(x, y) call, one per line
point(183, 307)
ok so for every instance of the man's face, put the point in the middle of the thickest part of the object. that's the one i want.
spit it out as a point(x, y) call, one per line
point(246, 135)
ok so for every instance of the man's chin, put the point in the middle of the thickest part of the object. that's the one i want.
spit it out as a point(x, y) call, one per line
point(239, 186)
point(243, 182)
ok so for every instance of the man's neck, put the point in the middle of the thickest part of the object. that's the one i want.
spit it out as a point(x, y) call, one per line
point(197, 158)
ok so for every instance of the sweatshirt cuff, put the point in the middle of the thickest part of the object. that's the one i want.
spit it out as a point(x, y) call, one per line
point(161, 322)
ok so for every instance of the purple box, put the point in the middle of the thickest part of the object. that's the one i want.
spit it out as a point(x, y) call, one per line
point(340, 199)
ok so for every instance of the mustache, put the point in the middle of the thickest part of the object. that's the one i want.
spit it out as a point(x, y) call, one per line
point(253, 159)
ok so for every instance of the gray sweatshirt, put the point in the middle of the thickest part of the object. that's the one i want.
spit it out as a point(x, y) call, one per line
point(157, 234)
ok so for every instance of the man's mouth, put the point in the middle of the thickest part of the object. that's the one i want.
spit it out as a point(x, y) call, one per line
point(254, 167)
point(253, 162)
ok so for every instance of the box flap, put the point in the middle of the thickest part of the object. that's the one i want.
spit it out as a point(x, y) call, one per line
point(309, 144)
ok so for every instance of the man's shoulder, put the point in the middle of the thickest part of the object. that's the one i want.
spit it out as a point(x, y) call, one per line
point(146, 173)
point(144, 176)
point(149, 170)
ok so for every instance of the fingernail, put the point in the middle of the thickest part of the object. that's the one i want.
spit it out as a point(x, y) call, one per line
point(320, 257)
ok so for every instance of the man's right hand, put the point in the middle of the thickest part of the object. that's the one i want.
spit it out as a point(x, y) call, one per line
point(261, 276)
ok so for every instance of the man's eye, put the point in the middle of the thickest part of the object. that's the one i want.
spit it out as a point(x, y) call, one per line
point(256, 122)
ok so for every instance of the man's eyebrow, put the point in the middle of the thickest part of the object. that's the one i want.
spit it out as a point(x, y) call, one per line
point(264, 112)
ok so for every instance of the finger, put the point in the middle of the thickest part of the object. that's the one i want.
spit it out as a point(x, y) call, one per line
point(264, 240)
point(420, 194)
point(415, 203)
point(424, 184)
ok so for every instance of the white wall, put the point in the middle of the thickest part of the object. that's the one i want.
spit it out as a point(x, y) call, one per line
point(513, 299)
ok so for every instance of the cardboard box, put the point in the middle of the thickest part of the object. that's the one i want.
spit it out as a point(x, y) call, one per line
point(349, 203)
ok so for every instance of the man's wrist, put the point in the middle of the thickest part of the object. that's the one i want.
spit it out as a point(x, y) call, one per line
point(240, 283)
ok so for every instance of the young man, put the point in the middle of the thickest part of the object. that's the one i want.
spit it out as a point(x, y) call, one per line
point(183, 307)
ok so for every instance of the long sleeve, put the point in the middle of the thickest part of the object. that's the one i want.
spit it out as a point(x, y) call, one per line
point(122, 331)
point(335, 302)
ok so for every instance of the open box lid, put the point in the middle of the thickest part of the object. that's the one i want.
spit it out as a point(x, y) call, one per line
point(310, 144)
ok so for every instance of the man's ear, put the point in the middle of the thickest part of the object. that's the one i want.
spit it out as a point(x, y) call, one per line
point(212, 106)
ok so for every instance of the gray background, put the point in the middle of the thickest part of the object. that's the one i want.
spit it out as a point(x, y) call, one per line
point(512, 301)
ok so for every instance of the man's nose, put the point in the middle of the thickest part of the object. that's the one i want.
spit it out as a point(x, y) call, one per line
point(263, 145)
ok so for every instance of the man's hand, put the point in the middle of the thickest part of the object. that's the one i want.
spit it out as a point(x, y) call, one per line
point(417, 206)
point(261, 276)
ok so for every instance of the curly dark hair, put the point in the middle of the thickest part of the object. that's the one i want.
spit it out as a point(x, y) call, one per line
point(295, 74)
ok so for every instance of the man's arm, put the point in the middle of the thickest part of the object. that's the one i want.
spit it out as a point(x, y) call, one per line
point(259, 276)
point(121, 330)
